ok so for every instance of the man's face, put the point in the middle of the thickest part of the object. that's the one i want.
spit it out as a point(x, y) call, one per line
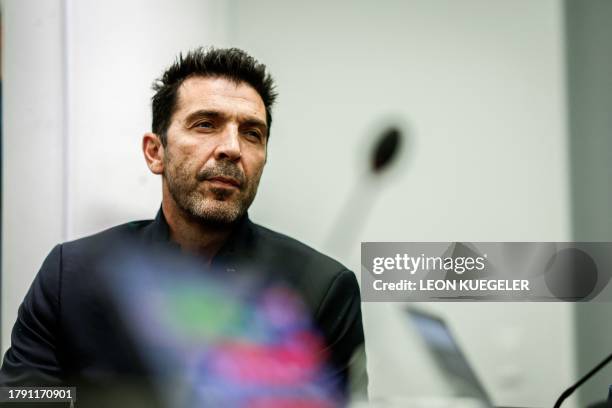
point(216, 149)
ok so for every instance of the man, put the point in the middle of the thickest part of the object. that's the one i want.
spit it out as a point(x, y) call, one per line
point(210, 132)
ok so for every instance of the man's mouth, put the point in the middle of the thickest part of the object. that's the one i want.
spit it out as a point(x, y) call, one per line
point(225, 182)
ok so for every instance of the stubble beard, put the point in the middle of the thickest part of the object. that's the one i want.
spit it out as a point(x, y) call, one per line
point(213, 207)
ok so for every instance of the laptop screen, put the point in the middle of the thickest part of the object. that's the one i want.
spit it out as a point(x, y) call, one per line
point(446, 353)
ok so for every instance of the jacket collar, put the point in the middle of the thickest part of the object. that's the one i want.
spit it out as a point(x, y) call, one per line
point(239, 246)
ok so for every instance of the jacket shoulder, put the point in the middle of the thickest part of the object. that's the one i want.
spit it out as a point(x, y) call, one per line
point(315, 275)
point(294, 252)
point(103, 240)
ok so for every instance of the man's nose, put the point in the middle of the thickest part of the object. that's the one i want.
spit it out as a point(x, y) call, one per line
point(229, 145)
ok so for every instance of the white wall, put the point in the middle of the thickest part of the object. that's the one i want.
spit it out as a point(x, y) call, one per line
point(33, 145)
point(479, 82)
point(76, 89)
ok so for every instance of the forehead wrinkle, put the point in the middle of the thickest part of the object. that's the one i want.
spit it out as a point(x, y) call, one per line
point(226, 111)
point(220, 86)
point(210, 94)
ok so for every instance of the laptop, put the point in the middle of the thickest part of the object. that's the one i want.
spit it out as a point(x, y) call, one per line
point(447, 354)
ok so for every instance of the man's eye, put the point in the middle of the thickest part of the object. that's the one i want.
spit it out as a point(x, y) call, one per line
point(253, 134)
point(205, 125)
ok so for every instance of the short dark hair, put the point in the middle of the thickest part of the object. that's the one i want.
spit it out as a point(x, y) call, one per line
point(231, 63)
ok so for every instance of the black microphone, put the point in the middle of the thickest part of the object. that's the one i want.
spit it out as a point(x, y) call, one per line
point(574, 387)
point(383, 154)
point(386, 149)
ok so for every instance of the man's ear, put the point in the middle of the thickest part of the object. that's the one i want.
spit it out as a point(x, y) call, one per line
point(153, 152)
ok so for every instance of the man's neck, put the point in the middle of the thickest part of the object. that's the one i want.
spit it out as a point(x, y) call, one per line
point(192, 235)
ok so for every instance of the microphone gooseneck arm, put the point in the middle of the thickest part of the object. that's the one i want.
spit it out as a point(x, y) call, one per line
point(359, 202)
point(588, 375)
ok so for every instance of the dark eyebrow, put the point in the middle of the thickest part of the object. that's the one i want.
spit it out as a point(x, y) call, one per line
point(212, 114)
point(203, 114)
point(256, 123)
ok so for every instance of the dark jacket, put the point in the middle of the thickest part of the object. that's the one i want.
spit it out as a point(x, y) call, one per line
point(63, 330)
